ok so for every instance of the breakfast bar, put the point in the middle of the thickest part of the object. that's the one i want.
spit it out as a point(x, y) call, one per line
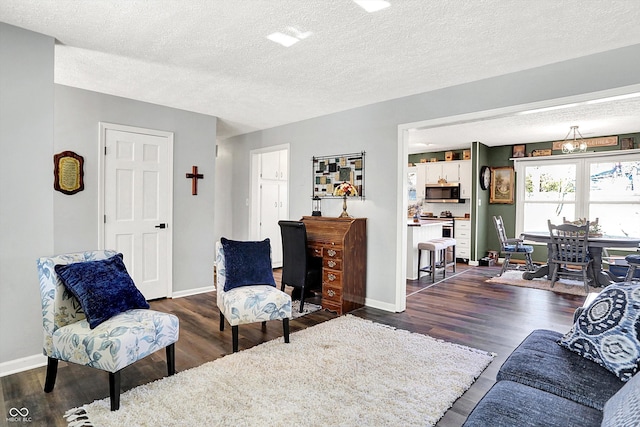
point(417, 232)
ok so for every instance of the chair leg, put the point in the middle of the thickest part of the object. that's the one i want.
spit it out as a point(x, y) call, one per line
point(529, 261)
point(234, 338)
point(419, 259)
point(114, 390)
point(505, 264)
point(285, 328)
point(454, 258)
point(52, 372)
point(171, 359)
point(585, 278)
point(221, 321)
point(301, 299)
point(631, 271)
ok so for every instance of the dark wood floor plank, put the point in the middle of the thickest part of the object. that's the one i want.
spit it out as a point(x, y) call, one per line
point(461, 309)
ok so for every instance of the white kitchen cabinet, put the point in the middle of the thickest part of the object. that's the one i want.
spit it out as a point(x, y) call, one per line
point(452, 171)
point(462, 234)
point(465, 179)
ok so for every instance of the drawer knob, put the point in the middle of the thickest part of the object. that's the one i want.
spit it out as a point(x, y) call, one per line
point(331, 263)
point(331, 252)
point(331, 277)
point(331, 293)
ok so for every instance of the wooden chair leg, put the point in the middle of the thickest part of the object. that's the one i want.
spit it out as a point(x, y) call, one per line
point(234, 338)
point(285, 328)
point(171, 359)
point(114, 390)
point(221, 321)
point(52, 372)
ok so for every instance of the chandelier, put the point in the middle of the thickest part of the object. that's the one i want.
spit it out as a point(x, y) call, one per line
point(575, 145)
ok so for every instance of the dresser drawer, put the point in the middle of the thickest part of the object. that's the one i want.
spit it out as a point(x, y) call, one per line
point(331, 263)
point(333, 253)
point(331, 294)
point(315, 250)
point(331, 277)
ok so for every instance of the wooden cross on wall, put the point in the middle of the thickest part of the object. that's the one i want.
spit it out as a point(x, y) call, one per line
point(194, 176)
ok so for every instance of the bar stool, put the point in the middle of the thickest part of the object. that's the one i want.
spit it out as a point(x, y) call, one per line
point(450, 243)
point(437, 250)
point(634, 261)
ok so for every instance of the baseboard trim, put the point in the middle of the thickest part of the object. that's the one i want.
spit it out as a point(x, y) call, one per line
point(379, 305)
point(181, 294)
point(22, 364)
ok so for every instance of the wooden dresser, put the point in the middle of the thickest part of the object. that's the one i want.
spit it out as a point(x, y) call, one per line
point(342, 245)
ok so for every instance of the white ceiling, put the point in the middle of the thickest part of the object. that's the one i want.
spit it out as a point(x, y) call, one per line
point(213, 57)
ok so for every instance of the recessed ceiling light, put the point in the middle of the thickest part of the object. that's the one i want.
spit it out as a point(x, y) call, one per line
point(283, 39)
point(372, 5)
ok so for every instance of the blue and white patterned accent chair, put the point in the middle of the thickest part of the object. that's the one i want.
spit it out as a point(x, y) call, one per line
point(249, 304)
point(112, 345)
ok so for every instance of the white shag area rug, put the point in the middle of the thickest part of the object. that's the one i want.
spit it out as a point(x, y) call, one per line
point(346, 371)
point(514, 277)
point(306, 309)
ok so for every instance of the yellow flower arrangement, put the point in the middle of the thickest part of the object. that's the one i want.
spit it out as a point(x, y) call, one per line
point(345, 189)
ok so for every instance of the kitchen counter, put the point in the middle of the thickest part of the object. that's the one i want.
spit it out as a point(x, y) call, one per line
point(426, 229)
point(429, 222)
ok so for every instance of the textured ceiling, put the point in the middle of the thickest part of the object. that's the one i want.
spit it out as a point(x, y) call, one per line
point(213, 57)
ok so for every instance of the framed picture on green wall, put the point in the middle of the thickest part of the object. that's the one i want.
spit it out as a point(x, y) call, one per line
point(502, 185)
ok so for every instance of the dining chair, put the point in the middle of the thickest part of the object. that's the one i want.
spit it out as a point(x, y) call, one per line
point(300, 270)
point(569, 253)
point(93, 315)
point(510, 246)
point(246, 291)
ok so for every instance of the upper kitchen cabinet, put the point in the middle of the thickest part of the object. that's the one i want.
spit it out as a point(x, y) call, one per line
point(451, 171)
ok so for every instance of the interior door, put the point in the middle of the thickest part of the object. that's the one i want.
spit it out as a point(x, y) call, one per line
point(137, 197)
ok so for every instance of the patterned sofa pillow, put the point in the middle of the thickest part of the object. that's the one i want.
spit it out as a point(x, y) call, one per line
point(607, 332)
point(103, 288)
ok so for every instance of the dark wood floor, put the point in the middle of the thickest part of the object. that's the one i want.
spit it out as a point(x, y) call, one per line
point(462, 309)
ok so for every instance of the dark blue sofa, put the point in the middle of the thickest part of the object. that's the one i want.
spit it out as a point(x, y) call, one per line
point(544, 384)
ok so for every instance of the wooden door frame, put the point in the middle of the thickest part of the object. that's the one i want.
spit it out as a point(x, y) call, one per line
point(104, 126)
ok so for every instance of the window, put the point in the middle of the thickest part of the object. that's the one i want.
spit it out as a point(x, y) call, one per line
point(604, 185)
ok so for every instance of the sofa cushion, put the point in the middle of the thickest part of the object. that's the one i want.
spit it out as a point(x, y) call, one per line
point(103, 288)
point(541, 363)
point(510, 404)
point(623, 409)
point(607, 332)
point(247, 263)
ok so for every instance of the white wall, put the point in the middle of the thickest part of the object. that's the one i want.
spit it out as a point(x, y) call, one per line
point(373, 128)
point(37, 221)
point(76, 218)
point(26, 186)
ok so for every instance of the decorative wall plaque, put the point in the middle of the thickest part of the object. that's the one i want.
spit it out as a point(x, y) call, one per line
point(68, 172)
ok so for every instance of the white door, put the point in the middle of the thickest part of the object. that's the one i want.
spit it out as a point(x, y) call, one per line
point(272, 207)
point(137, 204)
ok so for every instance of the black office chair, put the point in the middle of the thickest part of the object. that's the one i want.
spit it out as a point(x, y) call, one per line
point(299, 269)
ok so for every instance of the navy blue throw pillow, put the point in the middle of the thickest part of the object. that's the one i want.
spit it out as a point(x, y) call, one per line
point(103, 288)
point(247, 263)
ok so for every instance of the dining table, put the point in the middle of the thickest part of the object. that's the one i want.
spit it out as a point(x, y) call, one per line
point(596, 245)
